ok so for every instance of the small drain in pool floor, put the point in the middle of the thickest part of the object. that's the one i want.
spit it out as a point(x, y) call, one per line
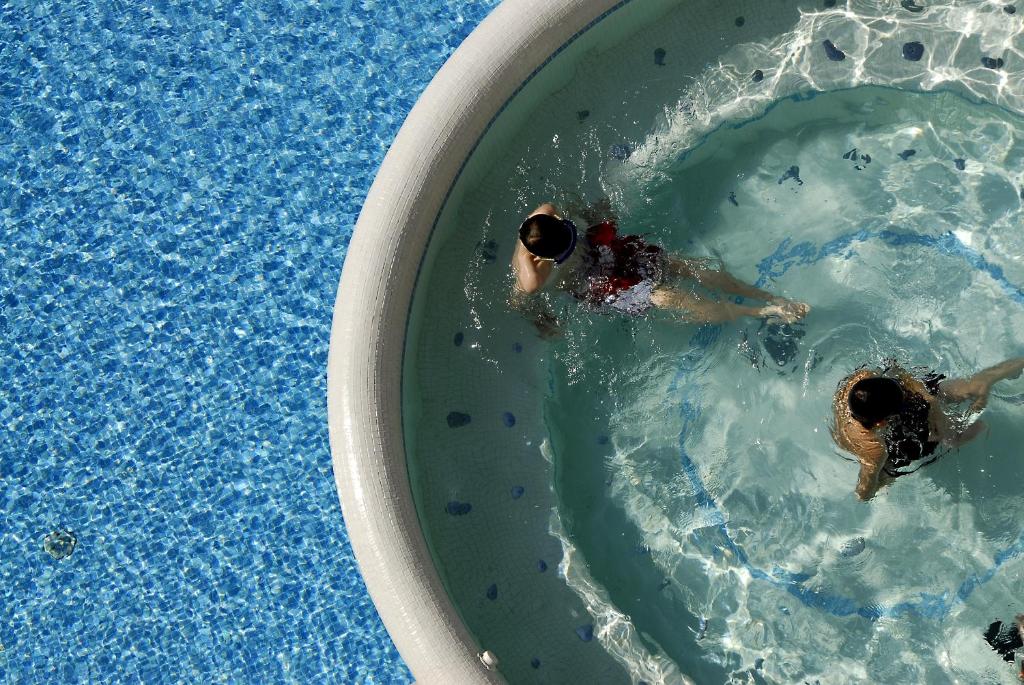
point(60, 544)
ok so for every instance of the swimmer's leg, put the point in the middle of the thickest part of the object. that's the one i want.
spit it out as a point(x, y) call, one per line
point(722, 280)
point(701, 310)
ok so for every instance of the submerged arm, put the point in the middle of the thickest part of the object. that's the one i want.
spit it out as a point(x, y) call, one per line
point(535, 307)
point(867, 481)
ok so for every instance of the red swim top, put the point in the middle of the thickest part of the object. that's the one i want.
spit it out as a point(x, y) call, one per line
point(618, 262)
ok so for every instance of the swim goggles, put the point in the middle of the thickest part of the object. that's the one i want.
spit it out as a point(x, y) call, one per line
point(574, 236)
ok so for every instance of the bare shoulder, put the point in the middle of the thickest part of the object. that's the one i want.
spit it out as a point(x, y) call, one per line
point(860, 442)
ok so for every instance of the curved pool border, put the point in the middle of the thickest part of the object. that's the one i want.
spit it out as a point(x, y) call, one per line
point(371, 314)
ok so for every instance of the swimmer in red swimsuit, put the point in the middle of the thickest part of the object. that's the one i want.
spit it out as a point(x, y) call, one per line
point(626, 274)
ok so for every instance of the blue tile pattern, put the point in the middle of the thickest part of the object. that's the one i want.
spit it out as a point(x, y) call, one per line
point(180, 182)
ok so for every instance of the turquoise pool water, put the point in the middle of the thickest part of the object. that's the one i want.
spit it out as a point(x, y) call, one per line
point(179, 185)
point(645, 499)
point(708, 517)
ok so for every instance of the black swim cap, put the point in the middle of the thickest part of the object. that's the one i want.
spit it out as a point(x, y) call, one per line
point(546, 236)
point(873, 399)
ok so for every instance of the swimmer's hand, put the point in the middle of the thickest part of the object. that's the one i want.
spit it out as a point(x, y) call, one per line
point(784, 311)
point(547, 326)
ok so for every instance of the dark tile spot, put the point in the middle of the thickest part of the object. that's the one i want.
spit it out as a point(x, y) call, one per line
point(518, 491)
point(757, 76)
point(542, 566)
point(457, 508)
point(602, 440)
point(659, 57)
point(852, 547)
point(585, 632)
point(759, 663)
point(535, 662)
point(1010, 9)
point(830, 3)
point(782, 341)
point(907, 154)
point(60, 544)
point(832, 52)
point(492, 592)
point(457, 419)
point(852, 154)
point(517, 348)
point(509, 419)
point(911, 6)
point(794, 173)
point(620, 151)
point(1022, 192)
point(992, 63)
point(732, 199)
point(582, 114)
point(740, 21)
point(913, 51)
point(459, 337)
point(960, 164)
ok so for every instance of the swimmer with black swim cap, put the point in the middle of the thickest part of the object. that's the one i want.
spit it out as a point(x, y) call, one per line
point(625, 274)
point(890, 419)
point(548, 238)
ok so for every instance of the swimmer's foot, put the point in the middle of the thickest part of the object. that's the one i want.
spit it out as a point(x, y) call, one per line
point(785, 311)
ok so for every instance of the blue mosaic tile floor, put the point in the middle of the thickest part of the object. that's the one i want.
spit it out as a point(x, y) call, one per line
point(179, 185)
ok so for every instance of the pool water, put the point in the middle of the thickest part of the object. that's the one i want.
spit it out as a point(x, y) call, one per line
point(708, 519)
point(180, 182)
point(650, 500)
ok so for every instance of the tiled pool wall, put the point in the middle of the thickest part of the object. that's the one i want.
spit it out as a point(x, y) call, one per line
point(179, 185)
point(483, 485)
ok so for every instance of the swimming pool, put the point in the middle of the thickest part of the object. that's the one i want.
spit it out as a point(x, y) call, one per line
point(179, 186)
point(585, 502)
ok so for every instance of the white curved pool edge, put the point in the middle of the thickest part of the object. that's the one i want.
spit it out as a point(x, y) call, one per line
point(364, 372)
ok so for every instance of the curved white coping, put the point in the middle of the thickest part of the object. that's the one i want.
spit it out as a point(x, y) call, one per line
point(364, 372)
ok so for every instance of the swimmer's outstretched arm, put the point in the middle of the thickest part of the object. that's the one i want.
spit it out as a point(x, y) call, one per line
point(978, 386)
